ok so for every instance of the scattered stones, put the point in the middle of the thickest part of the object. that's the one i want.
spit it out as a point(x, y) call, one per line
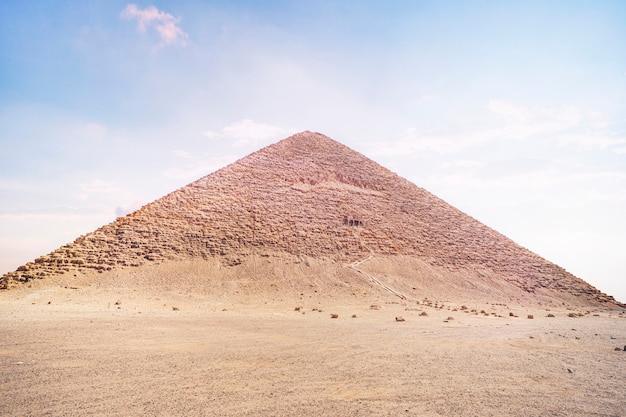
point(175, 308)
point(424, 314)
point(399, 318)
point(618, 349)
point(354, 316)
point(550, 315)
point(530, 316)
point(334, 315)
point(297, 308)
point(375, 307)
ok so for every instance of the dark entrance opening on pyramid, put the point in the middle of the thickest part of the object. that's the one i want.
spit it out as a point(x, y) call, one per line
point(352, 222)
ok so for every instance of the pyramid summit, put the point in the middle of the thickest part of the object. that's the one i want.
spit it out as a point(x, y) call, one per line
point(309, 196)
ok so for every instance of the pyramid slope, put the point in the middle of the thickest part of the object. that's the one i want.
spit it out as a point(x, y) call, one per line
point(306, 195)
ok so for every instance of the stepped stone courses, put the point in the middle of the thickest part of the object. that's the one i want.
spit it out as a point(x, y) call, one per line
point(306, 195)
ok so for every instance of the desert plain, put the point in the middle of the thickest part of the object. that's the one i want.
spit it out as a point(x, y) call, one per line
point(129, 344)
point(305, 280)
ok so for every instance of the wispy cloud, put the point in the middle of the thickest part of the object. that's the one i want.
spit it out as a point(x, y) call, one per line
point(96, 186)
point(95, 130)
point(564, 126)
point(522, 121)
point(537, 178)
point(128, 208)
point(198, 168)
point(594, 140)
point(163, 23)
point(247, 133)
point(567, 126)
point(51, 213)
point(99, 186)
point(553, 116)
point(183, 154)
point(620, 150)
point(438, 141)
point(14, 185)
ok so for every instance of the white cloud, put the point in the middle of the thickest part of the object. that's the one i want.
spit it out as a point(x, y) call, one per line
point(246, 132)
point(163, 23)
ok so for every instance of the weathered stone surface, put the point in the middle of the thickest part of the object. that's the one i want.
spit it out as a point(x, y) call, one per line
point(306, 195)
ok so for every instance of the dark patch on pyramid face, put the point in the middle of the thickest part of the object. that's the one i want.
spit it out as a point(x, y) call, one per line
point(305, 195)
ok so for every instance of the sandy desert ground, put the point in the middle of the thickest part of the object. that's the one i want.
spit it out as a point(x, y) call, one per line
point(89, 350)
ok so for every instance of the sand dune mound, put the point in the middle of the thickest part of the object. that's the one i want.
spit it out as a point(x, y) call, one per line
point(310, 197)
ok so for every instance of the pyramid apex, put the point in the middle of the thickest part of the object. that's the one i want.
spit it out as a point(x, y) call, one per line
point(311, 141)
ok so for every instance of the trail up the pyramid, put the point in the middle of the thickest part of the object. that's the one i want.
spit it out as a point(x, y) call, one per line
point(306, 195)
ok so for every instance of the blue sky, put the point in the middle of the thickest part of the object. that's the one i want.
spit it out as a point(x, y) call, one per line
point(514, 112)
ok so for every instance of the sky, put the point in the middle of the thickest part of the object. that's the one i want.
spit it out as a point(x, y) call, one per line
point(514, 112)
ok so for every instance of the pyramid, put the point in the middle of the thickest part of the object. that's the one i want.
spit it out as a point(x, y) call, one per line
point(311, 196)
